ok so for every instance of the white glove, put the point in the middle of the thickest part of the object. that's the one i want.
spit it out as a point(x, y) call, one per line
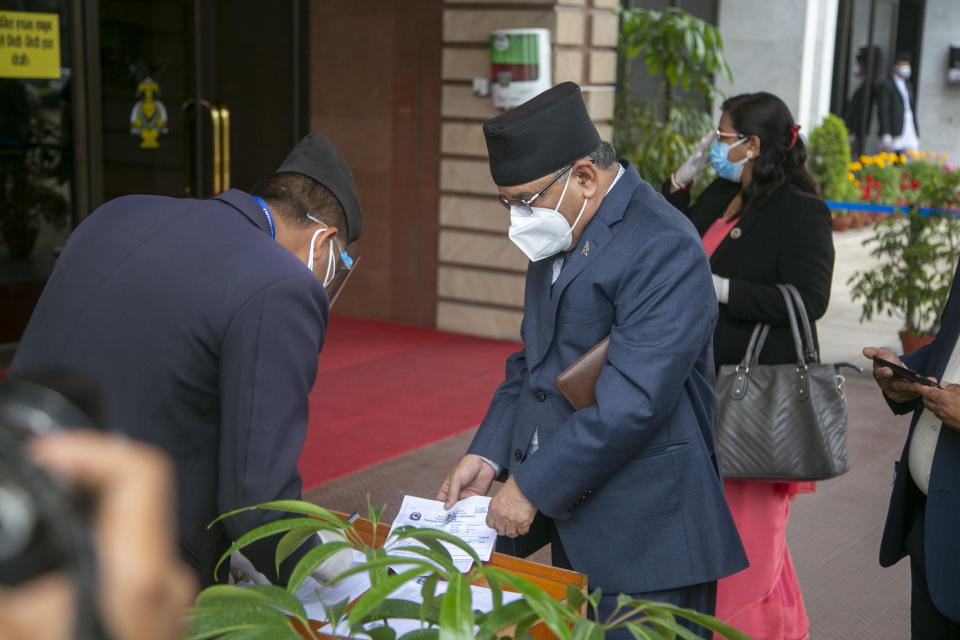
point(721, 286)
point(335, 564)
point(240, 566)
point(696, 163)
point(886, 141)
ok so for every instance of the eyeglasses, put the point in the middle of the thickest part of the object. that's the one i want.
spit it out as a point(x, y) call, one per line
point(721, 135)
point(526, 204)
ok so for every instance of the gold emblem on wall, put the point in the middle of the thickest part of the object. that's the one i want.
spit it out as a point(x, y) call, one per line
point(149, 116)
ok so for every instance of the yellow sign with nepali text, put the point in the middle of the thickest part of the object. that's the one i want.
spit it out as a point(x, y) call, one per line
point(29, 45)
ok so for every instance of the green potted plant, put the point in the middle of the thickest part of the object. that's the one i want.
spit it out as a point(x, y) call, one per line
point(828, 161)
point(683, 54)
point(917, 255)
point(30, 194)
point(266, 611)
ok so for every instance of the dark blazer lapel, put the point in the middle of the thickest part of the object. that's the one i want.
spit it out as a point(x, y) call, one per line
point(596, 236)
point(536, 302)
point(949, 328)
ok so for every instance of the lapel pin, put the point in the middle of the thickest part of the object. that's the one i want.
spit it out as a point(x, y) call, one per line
point(735, 233)
point(586, 248)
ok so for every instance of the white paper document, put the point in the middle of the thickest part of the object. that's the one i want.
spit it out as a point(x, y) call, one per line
point(467, 520)
point(315, 595)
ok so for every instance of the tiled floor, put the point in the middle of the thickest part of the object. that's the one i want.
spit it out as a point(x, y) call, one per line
point(834, 535)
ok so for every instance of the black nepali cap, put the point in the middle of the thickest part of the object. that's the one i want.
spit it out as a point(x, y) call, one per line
point(544, 134)
point(317, 157)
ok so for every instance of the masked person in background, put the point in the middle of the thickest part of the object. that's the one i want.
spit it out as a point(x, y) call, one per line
point(763, 223)
point(202, 320)
point(627, 491)
point(895, 107)
point(858, 111)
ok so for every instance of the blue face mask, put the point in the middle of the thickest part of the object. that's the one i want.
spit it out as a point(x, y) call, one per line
point(718, 158)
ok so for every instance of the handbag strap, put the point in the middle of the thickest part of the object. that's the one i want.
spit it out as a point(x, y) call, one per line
point(757, 338)
point(809, 347)
point(798, 318)
point(794, 329)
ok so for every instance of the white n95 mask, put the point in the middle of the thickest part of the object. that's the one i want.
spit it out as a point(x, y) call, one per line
point(541, 232)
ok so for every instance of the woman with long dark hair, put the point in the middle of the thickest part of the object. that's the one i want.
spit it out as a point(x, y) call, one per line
point(763, 223)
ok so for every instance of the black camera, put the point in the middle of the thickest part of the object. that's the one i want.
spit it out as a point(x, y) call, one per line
point(44, 521)
point(34, 506)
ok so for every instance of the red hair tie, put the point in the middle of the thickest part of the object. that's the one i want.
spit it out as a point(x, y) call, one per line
point(793, 135)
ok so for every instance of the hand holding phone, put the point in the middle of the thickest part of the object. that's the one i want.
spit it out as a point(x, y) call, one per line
point(899, 371)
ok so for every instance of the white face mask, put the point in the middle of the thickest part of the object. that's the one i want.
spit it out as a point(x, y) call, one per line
point(331, 258)
point(540, 232)
point(904, 71)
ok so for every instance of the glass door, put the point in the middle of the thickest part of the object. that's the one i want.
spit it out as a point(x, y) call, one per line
point(197, 97)
point(36, 154)
point(182, 98)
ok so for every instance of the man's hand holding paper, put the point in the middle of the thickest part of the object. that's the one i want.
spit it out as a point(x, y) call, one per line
point(472, 476)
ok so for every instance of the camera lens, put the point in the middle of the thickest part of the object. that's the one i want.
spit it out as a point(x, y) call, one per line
point(17, 519)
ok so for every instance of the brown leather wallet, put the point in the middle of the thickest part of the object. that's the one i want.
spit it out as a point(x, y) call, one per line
point(578, 381)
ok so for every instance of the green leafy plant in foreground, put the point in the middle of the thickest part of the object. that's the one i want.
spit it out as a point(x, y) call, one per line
point(267, 611)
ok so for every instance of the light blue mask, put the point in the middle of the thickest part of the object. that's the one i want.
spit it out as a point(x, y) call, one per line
point(718, 158)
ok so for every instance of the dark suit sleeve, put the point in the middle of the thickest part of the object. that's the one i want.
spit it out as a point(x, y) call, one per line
point(493, 438)
point(806, 262)
point(665, 316)
point(884, 106)
point(268, 366)
point(679, 198)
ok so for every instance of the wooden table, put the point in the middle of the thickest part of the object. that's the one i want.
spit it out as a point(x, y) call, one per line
point(552, 580)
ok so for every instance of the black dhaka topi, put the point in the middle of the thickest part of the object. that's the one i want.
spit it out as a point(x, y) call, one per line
point(543, 135)
point(317, 157)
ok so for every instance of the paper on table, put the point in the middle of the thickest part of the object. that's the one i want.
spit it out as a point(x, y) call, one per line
point(482, 600)
point(315, 595)
point(467, 520)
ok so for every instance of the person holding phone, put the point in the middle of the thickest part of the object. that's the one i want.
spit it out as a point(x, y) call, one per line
point(762, 223)
point(924, 514)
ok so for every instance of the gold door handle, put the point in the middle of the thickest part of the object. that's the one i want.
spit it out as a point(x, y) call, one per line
point(224, 146)
point(219, 142)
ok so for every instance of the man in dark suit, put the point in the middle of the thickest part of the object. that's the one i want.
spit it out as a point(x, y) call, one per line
point(203, 321)
point(924, 514)
point(627, 491)
point(895, 108)
point(858, 112)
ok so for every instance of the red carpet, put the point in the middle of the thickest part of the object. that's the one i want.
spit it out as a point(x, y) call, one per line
point(384, 389)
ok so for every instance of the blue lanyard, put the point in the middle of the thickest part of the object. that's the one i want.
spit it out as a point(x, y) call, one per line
point(266, 212)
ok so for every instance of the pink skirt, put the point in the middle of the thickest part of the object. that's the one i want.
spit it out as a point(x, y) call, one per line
point(763, 600)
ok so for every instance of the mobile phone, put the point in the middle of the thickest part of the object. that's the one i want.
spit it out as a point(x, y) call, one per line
point(904, 373)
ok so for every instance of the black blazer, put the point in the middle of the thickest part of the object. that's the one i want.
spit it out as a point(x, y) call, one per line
point(789, 240)
point(890, 108)
point(942, 509)
point(853, 111)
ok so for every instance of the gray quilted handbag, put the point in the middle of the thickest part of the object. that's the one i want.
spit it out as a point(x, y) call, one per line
point(785, 422)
